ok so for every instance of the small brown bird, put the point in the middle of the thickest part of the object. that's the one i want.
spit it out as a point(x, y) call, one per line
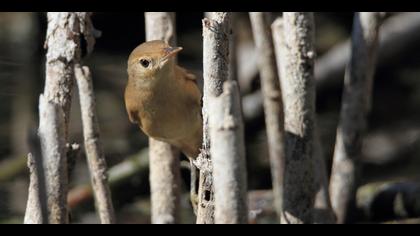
point(163, 98)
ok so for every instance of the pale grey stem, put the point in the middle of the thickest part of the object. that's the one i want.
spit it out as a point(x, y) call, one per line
point(323, 211)
point(34, 210)
point(298, 87)
point(94, 151)
point(272, 100)
point(37, 205)
point(355, 106)
point(165, 176)
point(63, 42)
point(216, 34)
point(53, 146)
point(228, 156)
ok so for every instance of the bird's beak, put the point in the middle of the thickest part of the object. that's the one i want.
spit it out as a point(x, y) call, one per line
point(171, 51)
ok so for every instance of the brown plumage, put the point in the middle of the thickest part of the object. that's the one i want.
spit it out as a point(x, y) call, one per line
point(163, 98)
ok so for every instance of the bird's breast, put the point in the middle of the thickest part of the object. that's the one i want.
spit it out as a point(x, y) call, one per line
point(166, 114)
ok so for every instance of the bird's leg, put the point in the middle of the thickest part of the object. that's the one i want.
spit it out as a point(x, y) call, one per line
point(193, 187)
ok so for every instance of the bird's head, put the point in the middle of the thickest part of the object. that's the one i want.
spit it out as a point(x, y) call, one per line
point(151, 59)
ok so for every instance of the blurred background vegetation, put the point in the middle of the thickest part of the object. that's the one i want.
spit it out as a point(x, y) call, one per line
point(391, 162)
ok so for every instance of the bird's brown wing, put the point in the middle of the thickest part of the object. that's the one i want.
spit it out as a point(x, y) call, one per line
point(184, 73)
point(192, 85)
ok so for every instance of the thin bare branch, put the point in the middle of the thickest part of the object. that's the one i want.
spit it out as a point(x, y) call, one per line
point(93, 148)
point(273, 103)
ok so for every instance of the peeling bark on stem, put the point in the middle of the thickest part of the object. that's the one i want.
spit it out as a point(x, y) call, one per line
point(322, 207)
point(165, 176)
point(64, 51)
point(216, 34)
point(93, 148)
point(356, 104)
point(228, 156)
point(273, 104)
point(297, 82)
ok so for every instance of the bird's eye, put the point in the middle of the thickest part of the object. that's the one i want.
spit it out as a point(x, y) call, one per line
point(145, 63)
